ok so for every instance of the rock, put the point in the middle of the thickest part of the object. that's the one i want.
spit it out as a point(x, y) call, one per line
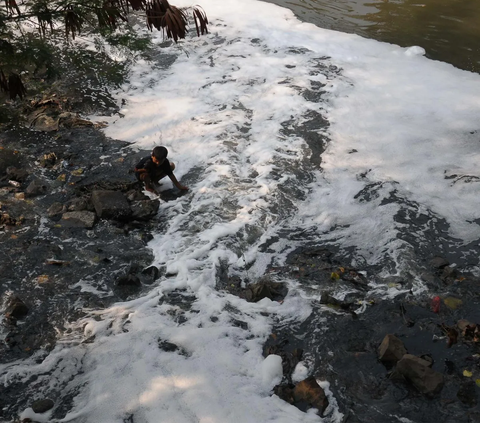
point(265, 289)
point(80, 219)
point(449, 274)
point(43, 405)
point(439, 262)
point(111, 204)
point(36, 187)
point(16, 308)
point(285, 392)
point(145, 209)
point(467, 393)
point(391, 350)
point(135, 195)
point(418, 372)
point(129, 280)
point(78, 204)
point(309, 391)
point(17, 174)
point(55, 209)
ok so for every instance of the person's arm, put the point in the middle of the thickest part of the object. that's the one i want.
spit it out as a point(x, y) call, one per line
point(176, 183)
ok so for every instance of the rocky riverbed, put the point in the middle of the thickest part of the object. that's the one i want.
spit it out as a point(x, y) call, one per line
point(75, 227)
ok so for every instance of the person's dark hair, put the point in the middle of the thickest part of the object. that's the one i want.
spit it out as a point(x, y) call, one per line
point(160, 153)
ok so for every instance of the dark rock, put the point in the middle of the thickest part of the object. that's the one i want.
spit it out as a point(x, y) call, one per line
point(78, 204)
point(79, 219)
point(56, 209)
point(418, 372)
point(43, 405)
point(16, 308)
point(135, 195)
point(391, 350)
point(467, 393)
point(449, 274)
point(145, 209)
point(167, 346)
point(111, 204)
point(17, 174)
point(285, 392)
point(150, 274)
point(265, 289)
point(129, 280)
point(309, 391)
point(439, 262)
point(36, 187)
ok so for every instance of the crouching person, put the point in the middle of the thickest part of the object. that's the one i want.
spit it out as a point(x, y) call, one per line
point(152, 168)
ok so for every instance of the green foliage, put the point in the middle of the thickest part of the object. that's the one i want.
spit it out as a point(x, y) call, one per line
point(31, 37)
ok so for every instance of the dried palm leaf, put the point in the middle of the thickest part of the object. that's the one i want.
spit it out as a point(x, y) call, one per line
point(15, 86)
point(3, 82)
point(73, 22)
point(44, 16)
point(201, 25)
point(137, 4)
point(110, 14)
point(11, 6)
point(174, 23)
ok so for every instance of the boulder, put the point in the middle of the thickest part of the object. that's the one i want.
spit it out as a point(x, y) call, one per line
point(391, 350)
point(16, 308)
point(129, 280)
point(309, 391)
point(145, 209)
point(55, 209)
point(111, 204)
point(439, 262)
point(418, 372)
point(79, 219)
point(36, 187)
point(43, 405)
point(265, 288)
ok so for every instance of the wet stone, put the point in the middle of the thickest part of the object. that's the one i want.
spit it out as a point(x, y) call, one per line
point(310, 392)
point(55, 209)
point(439, 262)
point(16, 308)
point(391, 350)
point(418, 372)
point(145, 209)
point(79, 219)
point(42, 405)
point(36, 187)
point(111, 204)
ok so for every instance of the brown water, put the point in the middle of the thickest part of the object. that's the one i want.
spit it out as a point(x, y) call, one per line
point(449, 30)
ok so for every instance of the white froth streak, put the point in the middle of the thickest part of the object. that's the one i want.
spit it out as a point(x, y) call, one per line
point(389, 105)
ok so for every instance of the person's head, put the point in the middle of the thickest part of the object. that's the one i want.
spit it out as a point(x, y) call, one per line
point(159, 154)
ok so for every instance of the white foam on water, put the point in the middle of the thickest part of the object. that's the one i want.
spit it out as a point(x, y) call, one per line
point(397, 122)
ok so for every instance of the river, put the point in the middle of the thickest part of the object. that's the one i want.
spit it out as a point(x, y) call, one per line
point(448, 30)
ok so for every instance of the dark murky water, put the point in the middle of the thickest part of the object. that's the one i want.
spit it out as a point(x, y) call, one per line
point(448, 30)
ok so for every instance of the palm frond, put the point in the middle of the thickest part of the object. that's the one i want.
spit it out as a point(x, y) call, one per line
point(73, 22)
point(3, 82)
point(11, 6)
point(201, 25)
point(45, 18)
point(137, 4)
